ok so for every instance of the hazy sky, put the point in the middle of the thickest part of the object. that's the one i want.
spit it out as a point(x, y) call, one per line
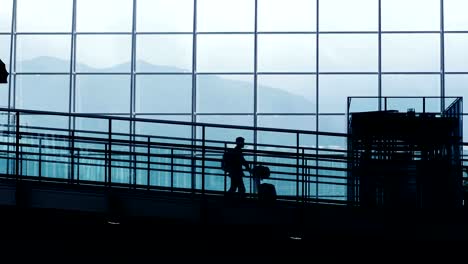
point(235, 53)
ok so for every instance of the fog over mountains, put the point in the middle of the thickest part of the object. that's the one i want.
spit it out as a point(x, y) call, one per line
point(171, 95)
point(160, 94)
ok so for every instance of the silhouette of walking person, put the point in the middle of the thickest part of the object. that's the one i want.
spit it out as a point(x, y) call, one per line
point(3, 73)
point(233, 162)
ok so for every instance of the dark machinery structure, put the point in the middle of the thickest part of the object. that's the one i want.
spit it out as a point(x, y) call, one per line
point(406, 159)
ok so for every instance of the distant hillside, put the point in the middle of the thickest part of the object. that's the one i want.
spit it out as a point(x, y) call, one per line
point(111, 95)
point(216, 94)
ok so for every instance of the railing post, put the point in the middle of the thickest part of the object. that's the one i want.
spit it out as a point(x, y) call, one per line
point(303, 175)
point(225, 173)
point(297, 166)
point(172, 170)
point(148, 179)
point(72, 156)
point(106, 160)
point(17, 145)
point(40, 159)
point(109, 155)
point(78, 166)
point(424, 104)
point(203, 159)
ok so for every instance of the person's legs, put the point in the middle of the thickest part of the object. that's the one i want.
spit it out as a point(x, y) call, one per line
point(234, 183)
point(241, 186)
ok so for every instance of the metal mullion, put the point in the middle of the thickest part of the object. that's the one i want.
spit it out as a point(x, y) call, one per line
point(411, 32)
point(227, 114)
point(379, 85)
point(43, 33)
point(287, 32)
point(286, 73)
point(410, 73)
point(442, 57)
point(255, 91)
point(226, 33)
point(349, 73)
point(13, 55)
point(71, 120)
point(286, 114)
point(317, 82)
point(44, 73)
point(12, 50)
point(194, 92)
point(348, 32)
point(103, 33)
point(182, 114)
point(162, 73)
point(133, 92)
point(103, 73)
point(455, 31)
point(225, 73)
point(163, 33)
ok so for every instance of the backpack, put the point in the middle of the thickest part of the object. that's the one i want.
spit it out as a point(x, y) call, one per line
point(226, 161)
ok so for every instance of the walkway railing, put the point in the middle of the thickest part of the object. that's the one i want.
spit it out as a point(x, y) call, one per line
point(163, 155)
point(167, 156)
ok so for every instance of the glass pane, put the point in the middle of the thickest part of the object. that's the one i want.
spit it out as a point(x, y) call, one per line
point(332, 123)
point(5, 42)
point(164, 53)
point(43, 53)
point(455, 52)
point(345, 15)
point(153, 128)
point(302, 122)
point(5, 57)
point(411, 85)
point(286, 94)
point(335, 89)
point(284, 167)
point(401, 15)
point(164, 94)
point(43, 92)
point(225, 53)
point(291, 15)
point(456, 85)
point(4, 95)
point(102, 125)
point(114, 53)
point(103, 93)
point(225, 15)
point(44, 15)
point(225, 94)
point(352, 53)
point(165, 16)
point(118, 15)
point(455, 15)
point(5, 15)
point(405, 52)
point(226, 134)
point(286, 52)
point(335, 124)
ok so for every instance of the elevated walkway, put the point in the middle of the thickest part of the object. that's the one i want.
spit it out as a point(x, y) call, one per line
point(115, 170)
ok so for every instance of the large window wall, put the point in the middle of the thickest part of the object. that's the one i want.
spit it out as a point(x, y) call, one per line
point(273, 63)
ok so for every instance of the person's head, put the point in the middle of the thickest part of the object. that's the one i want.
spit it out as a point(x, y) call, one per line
point(3, 73)
point(240, 142)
